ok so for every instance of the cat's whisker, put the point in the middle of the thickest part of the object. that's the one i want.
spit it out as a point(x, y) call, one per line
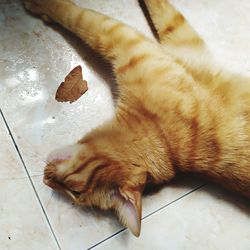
point(92, 209)
point(21, 178)
point(37, 171)
point(49, 163)
point(50, 199)
point(37, 175)
point(41, 159)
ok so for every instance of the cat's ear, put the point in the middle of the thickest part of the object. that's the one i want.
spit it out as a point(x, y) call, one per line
point(129, 209)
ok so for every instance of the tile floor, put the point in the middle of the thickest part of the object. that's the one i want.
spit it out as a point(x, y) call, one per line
point(34, 58)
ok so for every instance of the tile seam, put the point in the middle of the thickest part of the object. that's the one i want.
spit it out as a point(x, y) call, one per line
point(148, 215)
point(30, 179)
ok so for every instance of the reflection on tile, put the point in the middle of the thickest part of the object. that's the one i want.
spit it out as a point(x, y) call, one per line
point(206, 219)
point(22, 223)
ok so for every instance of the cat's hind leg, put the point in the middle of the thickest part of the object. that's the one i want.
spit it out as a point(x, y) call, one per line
point(181, 41)
point(171, 25)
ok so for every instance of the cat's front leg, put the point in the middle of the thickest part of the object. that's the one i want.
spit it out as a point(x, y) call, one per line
point(108, 36)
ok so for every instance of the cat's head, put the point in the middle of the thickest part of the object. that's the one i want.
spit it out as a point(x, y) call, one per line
point(99, 172)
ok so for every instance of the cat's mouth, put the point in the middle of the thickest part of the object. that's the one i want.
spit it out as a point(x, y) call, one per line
point(59, 187)
point(51, 180)
point(72, 194)
point(56, 185)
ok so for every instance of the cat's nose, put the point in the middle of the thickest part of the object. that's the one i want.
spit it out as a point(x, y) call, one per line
point(49, 175)
point(50, 179)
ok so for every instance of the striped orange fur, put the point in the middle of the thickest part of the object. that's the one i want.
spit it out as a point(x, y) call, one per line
point(176, 113)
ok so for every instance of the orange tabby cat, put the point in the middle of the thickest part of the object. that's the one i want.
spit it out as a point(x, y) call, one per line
point(176, 113)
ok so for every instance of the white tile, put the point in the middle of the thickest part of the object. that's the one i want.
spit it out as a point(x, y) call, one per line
point(22, 223)
point(34, 58)
point(206, 219)
point(224, 27)
point(88, 227)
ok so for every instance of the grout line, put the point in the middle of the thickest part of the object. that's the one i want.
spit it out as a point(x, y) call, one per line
point(183, 196)
point(30, 179)
point(111, 236)
point(145, 217)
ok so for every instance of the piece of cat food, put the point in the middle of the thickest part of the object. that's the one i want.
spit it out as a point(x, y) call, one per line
point(73, 86)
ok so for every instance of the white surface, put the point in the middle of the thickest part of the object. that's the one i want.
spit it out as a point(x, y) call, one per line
point(34, 59)
point(22, 222)
point(206, 219)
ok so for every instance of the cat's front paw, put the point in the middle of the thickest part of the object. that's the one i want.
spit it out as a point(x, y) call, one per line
point(33, 6)
point(36, 8)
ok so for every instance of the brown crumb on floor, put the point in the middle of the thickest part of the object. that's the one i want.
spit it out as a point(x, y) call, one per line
point(73, 86)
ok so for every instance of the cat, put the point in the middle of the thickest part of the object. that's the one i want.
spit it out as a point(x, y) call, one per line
point(177, 112)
